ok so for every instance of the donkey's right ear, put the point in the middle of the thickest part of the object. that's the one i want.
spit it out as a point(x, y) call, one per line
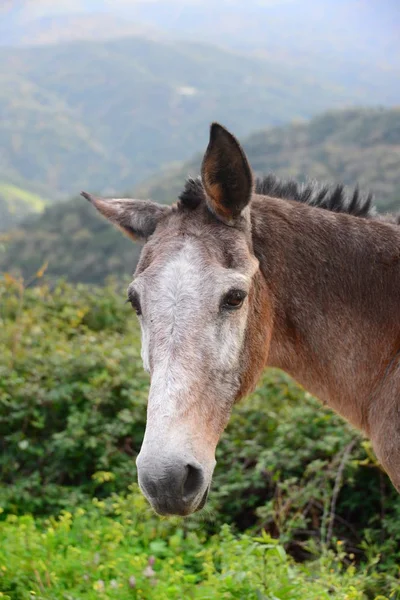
point(137, 218)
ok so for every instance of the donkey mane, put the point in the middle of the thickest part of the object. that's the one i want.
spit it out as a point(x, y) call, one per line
point(330, 197)
point(334, 197)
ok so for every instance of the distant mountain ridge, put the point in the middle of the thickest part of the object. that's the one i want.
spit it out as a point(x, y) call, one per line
point(56, 29)
point(320, 30)
point(352, 146)
point(106, 115)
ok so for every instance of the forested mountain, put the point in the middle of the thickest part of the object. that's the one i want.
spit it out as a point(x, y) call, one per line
point(106, 115)
point(75, 242)
point(354, 146)
point(83, 105)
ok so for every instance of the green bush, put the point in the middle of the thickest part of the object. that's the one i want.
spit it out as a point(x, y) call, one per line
point(72, 396)
point(72, 417)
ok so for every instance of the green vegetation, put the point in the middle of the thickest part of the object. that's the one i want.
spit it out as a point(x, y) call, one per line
point(119, 549)
point(105, 115)
point(349, 146)
point(16, 203)
point(72, 417)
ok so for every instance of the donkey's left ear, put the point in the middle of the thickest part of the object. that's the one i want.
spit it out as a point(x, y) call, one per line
point(137, 218)
point(226, 175)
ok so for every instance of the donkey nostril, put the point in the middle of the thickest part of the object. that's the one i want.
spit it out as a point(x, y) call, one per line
point(194, 480)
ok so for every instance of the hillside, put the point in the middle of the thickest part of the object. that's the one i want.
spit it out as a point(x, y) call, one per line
point(106, 115)
point(16, 203)
point(355, 146)
point(76, 242)
point(346, 146)
point(310, 32)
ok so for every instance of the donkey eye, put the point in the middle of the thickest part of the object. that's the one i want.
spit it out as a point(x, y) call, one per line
point(135, 302)
point(233, 299)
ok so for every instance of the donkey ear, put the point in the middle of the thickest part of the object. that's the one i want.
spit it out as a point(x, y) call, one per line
point(137, 218)
point(226, 175)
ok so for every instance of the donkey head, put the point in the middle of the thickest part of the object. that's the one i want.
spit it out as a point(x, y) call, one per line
point(204, 316)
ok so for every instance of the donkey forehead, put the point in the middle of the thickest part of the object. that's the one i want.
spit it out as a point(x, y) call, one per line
point(188, 264)
point(211, 240)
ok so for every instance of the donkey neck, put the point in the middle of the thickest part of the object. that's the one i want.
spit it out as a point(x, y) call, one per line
point(333, 281)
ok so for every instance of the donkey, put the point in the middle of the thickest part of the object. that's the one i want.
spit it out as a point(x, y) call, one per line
point(239, 275)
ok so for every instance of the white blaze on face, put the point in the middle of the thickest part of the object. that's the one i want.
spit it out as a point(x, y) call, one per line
point(191, 347)
point(170, 299)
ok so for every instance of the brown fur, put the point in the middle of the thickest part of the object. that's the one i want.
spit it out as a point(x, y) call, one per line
point(258, 336)
point(335, 280)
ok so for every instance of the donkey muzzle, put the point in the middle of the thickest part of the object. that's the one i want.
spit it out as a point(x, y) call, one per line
point(173, 486)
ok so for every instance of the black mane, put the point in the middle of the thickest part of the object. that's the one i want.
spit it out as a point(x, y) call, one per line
point(330, 197)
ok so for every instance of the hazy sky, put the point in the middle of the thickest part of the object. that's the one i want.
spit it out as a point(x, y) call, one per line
point(370, 26)
point(46, 7)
